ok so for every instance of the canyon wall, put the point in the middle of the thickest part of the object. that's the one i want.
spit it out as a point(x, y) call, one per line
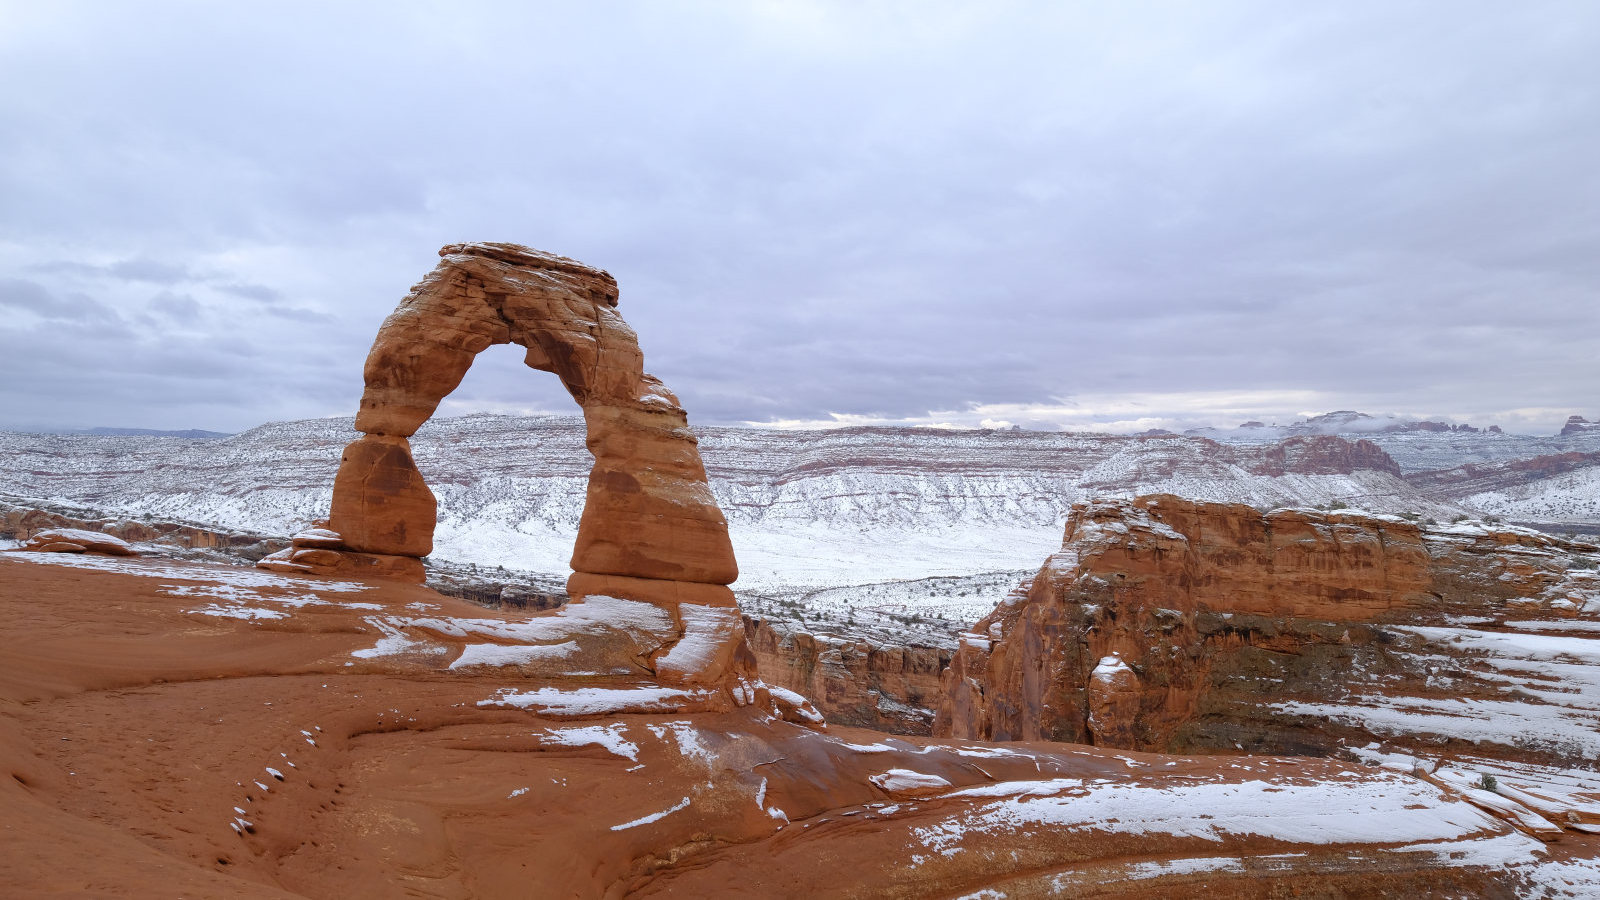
point(1164, 623)
point(857, 682)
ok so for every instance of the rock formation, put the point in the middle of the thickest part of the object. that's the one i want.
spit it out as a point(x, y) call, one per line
point(1579, 425)
point(1175, 625)
point(853, 681)
point(651, 532)
point(74, 540)
point(23, 522)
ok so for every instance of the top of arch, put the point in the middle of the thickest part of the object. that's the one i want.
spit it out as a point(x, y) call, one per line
point(600, 282)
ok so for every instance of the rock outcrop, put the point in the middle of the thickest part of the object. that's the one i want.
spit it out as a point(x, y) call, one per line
point(1580, 425)
point(23, 522)
point(853, 681)
point(76, 540)
point(1169, 624)
point(1320, 455)
point(1501, 475)
point(651, 532)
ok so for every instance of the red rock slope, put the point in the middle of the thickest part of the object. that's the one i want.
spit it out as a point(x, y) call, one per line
point(185, 730)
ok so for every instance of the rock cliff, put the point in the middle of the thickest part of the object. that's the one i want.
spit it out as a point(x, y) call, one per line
point(852, 681)
point(1166, 623)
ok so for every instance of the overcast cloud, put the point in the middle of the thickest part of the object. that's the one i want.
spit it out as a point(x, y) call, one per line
point(1112, 215)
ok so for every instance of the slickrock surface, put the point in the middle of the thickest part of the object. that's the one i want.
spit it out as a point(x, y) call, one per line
point(1166, 624)
point(170, 729)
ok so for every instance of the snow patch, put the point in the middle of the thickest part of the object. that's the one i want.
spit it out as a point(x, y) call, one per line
point(653, 817)
point(514, 655)
point(593, 701)
point(607, 736)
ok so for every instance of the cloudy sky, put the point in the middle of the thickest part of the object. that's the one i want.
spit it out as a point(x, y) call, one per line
point(1108, 215)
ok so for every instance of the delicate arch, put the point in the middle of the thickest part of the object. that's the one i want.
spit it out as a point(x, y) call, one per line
point(651, 529)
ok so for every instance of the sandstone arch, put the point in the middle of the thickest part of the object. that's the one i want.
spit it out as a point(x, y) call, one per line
point(651, 529)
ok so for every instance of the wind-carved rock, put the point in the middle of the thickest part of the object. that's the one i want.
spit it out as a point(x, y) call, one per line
point(651, 531)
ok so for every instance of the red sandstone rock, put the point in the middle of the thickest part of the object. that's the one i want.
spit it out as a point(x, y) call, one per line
point(651, 530)
point(1114, 699)
point(1289, 629)
point(649, 513)
point(380, 502)
point(74, 540)
point(852, 681)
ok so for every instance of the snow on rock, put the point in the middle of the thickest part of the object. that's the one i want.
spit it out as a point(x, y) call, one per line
point(608, 736)
point(590, 616)
point(1383, 808)
point(909, 783)
point(393, 643)
point(154, 568)
point(795, 708)
point(689, 740)
point(711, 634)
point(653, 817)
point(1110, 668)
point(1471, 786)
point(596, 701)
point(239, 612)
point(513, 655)
point(77, 540)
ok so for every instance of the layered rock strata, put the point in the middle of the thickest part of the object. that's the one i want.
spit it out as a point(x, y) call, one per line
point(651, 532)
point(1174, 625)
point(853, 681)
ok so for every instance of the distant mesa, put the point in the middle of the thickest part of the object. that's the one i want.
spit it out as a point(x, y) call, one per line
point(651, 531)
point(1339, 422)
point(190, 433)
point(1580, 425)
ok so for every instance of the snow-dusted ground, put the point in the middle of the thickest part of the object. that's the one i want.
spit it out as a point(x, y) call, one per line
point(1549, 683)
point(807, 509)
point(1568, 497)
point(887, 522)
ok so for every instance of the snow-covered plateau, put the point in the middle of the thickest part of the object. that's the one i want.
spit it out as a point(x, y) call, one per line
point(809, 510)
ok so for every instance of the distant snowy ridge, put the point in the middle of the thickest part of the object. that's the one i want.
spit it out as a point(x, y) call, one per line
point(850, 506)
